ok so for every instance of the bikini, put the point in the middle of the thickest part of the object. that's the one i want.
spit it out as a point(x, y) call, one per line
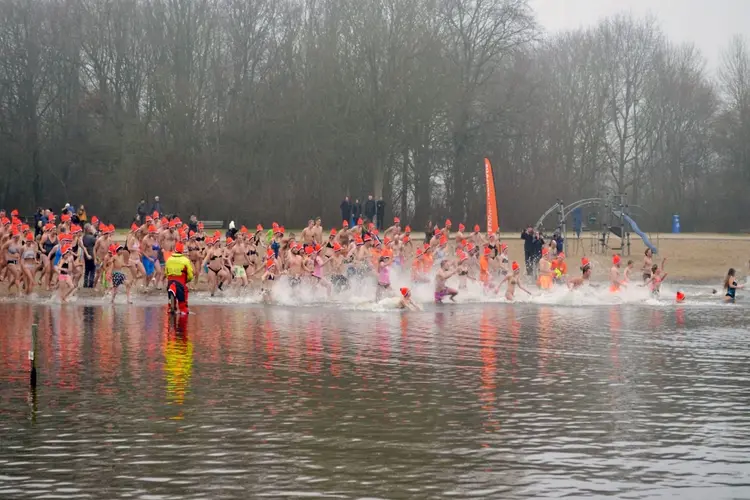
point(13, 251)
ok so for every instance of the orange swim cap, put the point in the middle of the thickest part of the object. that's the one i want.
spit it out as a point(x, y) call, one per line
point(404, 292)
point(616, 259)
point(680, 296)
point(514, 266)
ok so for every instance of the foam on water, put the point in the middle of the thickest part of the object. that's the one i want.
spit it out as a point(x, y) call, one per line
point(361, 295)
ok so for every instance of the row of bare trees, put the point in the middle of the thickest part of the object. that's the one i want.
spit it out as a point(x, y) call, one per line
point(275, 109)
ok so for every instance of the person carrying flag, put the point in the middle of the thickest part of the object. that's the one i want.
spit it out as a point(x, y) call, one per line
point(179, 272)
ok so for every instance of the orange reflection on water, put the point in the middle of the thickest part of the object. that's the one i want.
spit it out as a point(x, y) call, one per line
point(545, 336)
point(488, 354)
point(178, 362)
point(615, 325)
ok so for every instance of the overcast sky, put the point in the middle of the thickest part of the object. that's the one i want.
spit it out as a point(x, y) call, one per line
point(709, 24)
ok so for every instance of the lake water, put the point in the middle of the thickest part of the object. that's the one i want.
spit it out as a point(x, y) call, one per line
point(488, 400)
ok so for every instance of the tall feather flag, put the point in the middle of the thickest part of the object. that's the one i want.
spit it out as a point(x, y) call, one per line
point(489, 180)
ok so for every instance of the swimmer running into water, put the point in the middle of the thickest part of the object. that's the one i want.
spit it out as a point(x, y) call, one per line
point(614, 275)
point(514, 280)
point(731, 286)
point(585, 277)
point(441, 289)
point(657, 277)
point(406, 302)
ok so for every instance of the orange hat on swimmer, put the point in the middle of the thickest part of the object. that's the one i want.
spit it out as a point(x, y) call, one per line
point(29, 237)
point(407, 229)
point(514, 266)
point(447, 223)
point(616, 260)
point(396, 220)
point(230, 241)
point(309, 250)
point(680, 296)
point(461, 227)
point(179, 247)
point(345, 224)
point(405, 292)
point(476, 228)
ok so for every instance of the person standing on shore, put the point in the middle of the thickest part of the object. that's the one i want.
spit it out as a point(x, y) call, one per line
point(346, 210)
point(141, 212)
point(156, 208)
point(370, 209)
point(89, 241)
point(356, 211)
point(528, 249)
point(380, 213)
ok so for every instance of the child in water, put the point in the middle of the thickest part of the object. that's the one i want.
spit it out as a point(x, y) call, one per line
point(657, 277)
point(731, 286)
point(406, 302)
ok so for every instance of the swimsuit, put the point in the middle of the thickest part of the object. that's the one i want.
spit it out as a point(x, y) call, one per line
point(148, 265)
point(118, 278)
point(731, 292)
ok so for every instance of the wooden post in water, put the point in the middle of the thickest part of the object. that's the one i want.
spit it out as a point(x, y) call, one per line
point(32, 355)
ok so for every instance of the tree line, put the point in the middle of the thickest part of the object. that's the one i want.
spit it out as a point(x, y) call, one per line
point(261, 110)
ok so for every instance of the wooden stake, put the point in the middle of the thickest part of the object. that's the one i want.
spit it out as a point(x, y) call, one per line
point(32, 354)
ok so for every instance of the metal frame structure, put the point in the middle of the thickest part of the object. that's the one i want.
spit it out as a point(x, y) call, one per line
point(609, 207)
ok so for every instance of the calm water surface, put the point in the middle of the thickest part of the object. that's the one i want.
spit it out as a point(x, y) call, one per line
point(487, 401)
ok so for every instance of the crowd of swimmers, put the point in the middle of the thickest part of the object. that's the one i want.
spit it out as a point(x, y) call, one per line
point(329, 261)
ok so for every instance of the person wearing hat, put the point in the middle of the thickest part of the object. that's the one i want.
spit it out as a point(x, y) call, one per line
point(179, 272)
point(406, 302)
point(616, 281)
point(577, 282)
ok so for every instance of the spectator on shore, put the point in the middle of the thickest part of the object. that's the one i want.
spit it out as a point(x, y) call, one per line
point(156, 206)
point(141, 211)
point(38, 222)
point(193, 224)
point(356, 211)
point(538, 246)
point(429, 232)
point(346, 210)
point(559, 242)
point(82, 216)
point(380, 213)
point(89, 241)
point(528, 249)
point(370, 209)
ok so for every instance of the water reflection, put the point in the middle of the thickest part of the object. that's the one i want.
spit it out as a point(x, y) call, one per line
point(489, 401)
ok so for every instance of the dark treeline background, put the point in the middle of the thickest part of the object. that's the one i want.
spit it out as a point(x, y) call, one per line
point(275, 109)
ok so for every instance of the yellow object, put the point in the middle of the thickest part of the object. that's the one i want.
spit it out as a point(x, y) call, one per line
point(178, 265)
